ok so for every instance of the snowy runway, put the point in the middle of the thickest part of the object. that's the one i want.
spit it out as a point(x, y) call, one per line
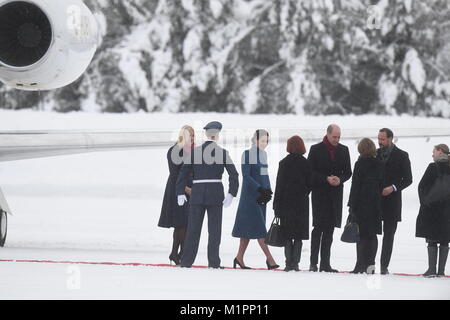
point(72, 281)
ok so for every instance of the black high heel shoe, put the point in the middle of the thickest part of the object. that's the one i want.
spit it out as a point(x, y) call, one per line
point(269, 267)
point(242, 266)
point(175, 258)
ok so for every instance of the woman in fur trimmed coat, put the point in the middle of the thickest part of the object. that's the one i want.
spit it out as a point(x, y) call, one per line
point(433, 221)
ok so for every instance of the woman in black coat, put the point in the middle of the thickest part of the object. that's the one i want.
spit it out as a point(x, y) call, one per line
point(365, 204)
point(172, 215)
point(291, 201)
point(433, 221)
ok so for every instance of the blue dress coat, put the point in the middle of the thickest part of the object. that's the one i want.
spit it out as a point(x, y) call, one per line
point(250, 220)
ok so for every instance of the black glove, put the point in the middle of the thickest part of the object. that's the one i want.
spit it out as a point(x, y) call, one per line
point(260, 201)
point(265, 197)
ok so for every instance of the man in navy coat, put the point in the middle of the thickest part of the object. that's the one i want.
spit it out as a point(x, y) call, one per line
point(207, 164)
point(398, 177)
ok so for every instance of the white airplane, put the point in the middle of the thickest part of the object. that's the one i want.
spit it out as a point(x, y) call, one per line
point(44, 45)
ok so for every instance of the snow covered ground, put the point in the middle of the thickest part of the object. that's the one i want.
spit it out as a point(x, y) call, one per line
point(104, 207)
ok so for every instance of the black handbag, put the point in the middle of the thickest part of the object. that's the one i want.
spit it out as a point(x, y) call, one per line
point(351, 231)
point(440, 191)
point(274, 236)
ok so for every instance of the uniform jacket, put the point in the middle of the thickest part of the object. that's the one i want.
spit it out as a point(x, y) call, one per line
point(208, 161)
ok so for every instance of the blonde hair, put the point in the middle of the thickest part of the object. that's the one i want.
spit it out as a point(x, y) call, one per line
point(185, 135)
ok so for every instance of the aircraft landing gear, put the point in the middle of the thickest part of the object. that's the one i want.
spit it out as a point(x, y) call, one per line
point(3, 227)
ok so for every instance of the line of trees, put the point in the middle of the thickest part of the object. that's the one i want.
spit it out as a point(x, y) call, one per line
point(259, 56)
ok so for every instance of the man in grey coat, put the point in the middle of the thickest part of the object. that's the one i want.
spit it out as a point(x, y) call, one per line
point(207, 164)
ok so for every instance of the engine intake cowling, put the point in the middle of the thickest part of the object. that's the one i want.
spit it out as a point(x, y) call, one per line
point(45, 44)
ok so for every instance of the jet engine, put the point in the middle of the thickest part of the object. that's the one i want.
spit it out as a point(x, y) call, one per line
point(45, 44)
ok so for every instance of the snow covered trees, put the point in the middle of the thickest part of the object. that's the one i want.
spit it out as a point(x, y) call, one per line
point(259, 56)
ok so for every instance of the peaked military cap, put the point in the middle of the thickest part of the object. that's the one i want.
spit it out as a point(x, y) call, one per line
point(215, 125)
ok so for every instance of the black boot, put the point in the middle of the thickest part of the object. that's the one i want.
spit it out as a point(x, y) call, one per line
point(296, 255)
point(288, 250)
point(175, 258)
point(443, 254)
point(313, 268)
point(359, 267)
point(328, 269)
point(325, 264)
point(432, 261)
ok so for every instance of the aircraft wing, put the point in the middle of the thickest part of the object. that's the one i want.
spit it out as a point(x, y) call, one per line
point(21, 145)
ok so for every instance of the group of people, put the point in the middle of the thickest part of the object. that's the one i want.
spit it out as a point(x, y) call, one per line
point(194, 187)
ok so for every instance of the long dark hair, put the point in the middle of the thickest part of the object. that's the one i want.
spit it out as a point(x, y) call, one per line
point(258, 134)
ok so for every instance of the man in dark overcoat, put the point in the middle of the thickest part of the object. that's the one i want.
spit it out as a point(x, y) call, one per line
point(398, 176)
point(331, 167)
point(207, 165)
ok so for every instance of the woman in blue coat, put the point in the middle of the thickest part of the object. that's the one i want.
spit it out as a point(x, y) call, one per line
point(256, 192)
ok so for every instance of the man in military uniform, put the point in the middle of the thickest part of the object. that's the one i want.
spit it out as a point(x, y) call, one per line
point(207, 164)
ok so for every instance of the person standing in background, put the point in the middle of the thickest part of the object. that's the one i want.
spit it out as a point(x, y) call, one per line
point(398, 176)
point(291, 201)
point(256, 192)
point(206, 167)
point(433, 221)
point(365, 204)
point(331, 168)
point(172, 215)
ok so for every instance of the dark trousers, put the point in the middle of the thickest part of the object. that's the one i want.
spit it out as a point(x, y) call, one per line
point(321, 239)
point(366, 251)
point(194, 230)
point(432, 243)
point(389, 229)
